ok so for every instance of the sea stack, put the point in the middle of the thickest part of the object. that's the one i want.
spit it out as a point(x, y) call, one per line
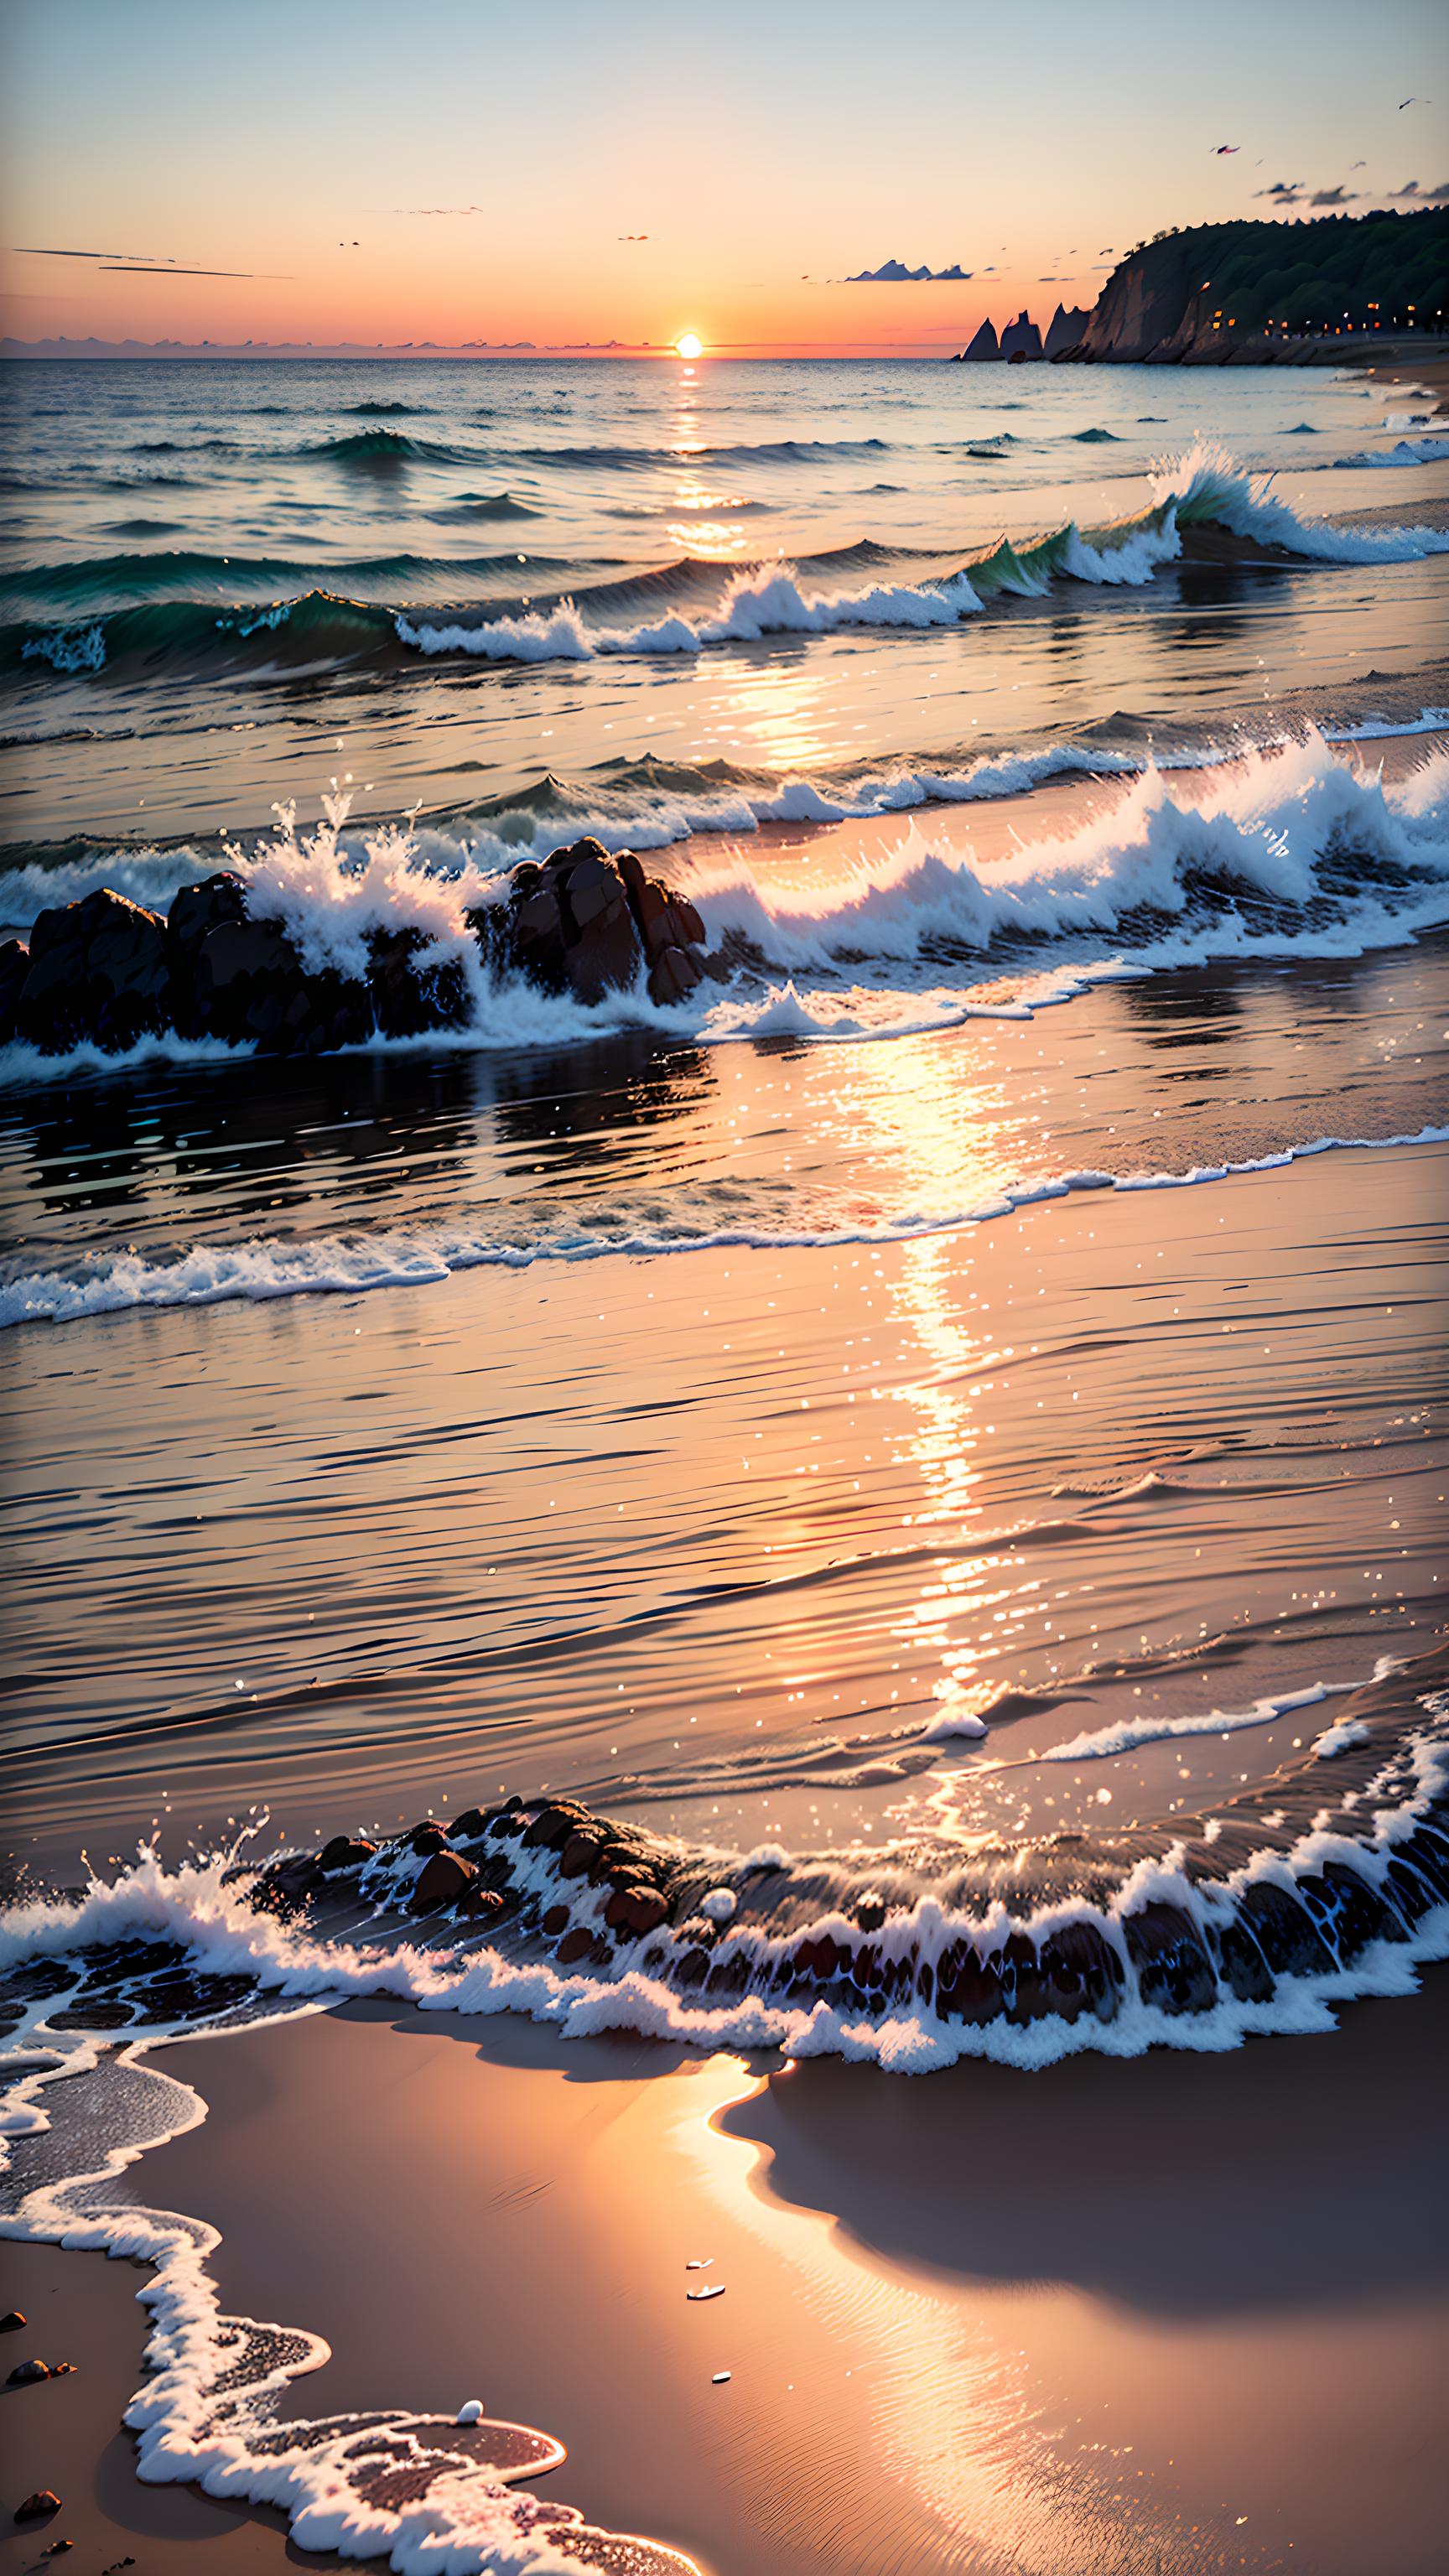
point(1065, 330)
point(1021, 338)
point(985, 344)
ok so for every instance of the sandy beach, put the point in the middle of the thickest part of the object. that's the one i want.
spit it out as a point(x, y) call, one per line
point(1094, 2318)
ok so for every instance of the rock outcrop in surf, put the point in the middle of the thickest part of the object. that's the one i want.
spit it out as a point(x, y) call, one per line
point(1327, 1880)
point(106, 972)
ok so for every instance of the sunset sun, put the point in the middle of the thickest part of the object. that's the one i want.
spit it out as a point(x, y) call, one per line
point(689, 345)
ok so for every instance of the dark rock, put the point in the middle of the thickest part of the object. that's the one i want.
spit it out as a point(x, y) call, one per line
point(1242, 1964)
point(38, 2507)
point(577, 1854)
point(1349, 1911)
point(553, 1825)
point(968, 1984)
point(14, 967)
point(90, 2016)
point(427, 1837)
point(195, 912)
point(870, 1913)
point(11, 2322)
point(41, 1977)
point(566, 924)
point(575, 1945)
point(1283, 1931)
point(614, 1862)
point(251, 987)
point(479, 1903)
point(97, 971)
point(1174, 1972)
point(411, 989)
point(555, 1920)
point(818, 1958)
point(635, 1910)
point(1080, 1972)
point(442, 1881)
point(345, 1851)
point(26, 2373)
point(673, 976)
point(470, 1827)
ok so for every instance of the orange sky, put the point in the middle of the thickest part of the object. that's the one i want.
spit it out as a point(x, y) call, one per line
point(764, 152)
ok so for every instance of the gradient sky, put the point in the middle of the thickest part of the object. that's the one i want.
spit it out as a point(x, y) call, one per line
point(765, 147)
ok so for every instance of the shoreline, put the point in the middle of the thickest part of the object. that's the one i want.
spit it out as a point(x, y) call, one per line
point(947, 2345)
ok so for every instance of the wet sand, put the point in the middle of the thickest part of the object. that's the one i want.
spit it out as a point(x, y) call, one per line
point(1181, 2313)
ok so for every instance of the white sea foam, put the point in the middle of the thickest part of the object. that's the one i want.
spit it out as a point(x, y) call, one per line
point(265, 1267)
point(1207, 485)
point(1406, 451)
point(1203, 485)
point(1132, 1733)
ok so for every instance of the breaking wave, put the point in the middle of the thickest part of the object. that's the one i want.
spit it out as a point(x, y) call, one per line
point(1201, 492)
point(1286, 852)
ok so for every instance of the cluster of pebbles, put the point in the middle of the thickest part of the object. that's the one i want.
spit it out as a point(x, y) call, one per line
point(590, 1893)
point(1177, 1919)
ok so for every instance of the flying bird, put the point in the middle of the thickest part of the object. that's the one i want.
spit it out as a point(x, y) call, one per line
point(1219, 149)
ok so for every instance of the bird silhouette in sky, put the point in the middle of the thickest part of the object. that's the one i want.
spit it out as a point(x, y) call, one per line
point(1220, 149)
point(1414, 102)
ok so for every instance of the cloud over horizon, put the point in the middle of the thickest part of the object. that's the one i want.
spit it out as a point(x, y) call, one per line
point(894, 272)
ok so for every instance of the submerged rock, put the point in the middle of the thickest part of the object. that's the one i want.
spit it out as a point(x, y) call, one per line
point(38, 2507)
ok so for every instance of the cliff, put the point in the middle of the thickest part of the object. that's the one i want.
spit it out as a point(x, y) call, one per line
point(1246, 289)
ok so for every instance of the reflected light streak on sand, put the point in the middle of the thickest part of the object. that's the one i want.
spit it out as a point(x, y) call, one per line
point(944, 2409)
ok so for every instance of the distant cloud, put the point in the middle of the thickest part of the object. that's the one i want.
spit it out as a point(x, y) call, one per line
point(632, 236)
point(1424, 196)
point(431, 210)
point(1334, 197)
point(894, 272)
point(1284, 192)
point(24, 251)
point(124, 263)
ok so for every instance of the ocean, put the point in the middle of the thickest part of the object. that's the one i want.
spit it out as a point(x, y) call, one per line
point(891, 1510)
